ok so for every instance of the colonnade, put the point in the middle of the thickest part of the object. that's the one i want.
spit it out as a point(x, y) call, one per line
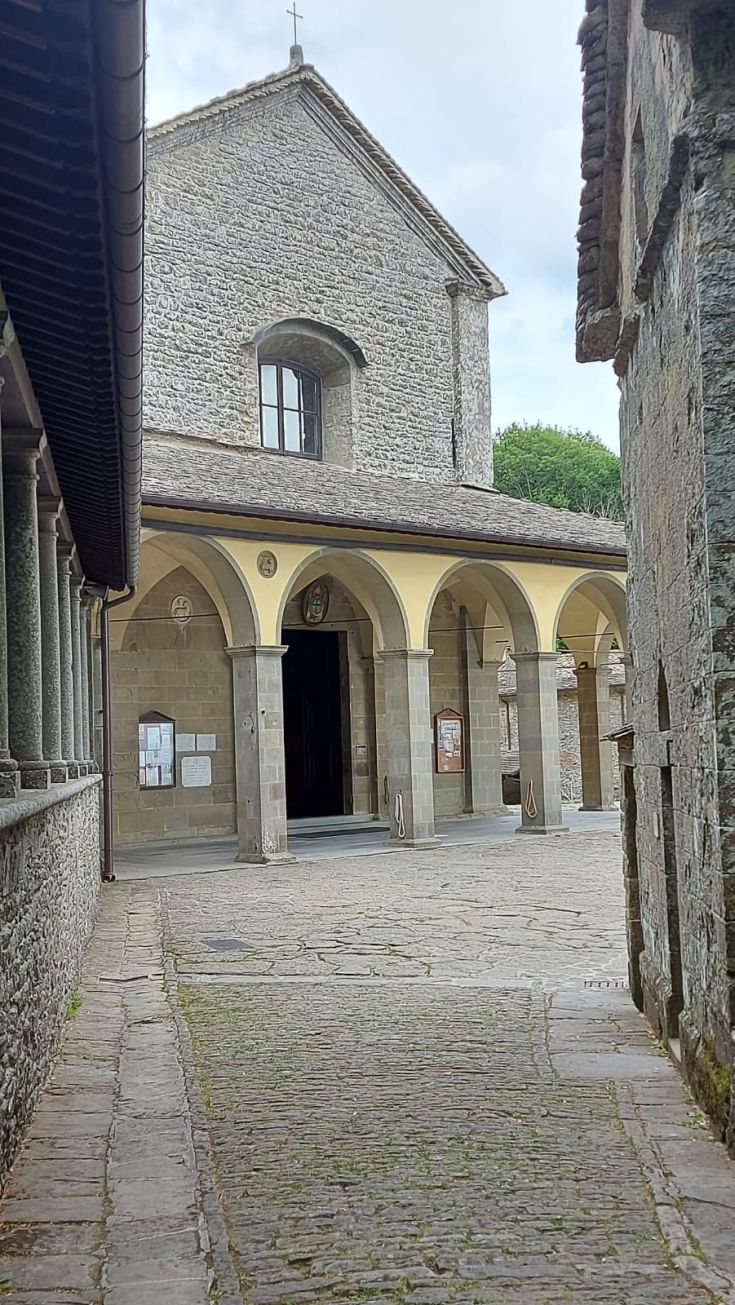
point(45, 612)
point(408, 759)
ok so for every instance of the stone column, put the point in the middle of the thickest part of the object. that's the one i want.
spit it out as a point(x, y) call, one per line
point(84, 607)
point(64, 552)
point(593, 709)
point(483, 774)
point(25, 694)
point(48, 515)
point(538, 743)
point(9, 773)
point(95, 662)
point(260, 760)
point(408, 744)
point(75, 587)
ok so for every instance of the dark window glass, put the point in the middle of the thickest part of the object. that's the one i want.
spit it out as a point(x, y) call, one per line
point(290, 416)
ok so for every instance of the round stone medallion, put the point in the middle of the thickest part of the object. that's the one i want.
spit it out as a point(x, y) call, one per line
point(267, 563)
point(182, 609)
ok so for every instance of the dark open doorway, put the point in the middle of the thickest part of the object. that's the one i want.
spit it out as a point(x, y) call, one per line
point(316, 724)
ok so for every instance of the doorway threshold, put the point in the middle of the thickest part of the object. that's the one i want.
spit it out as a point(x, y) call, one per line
point(321, 826)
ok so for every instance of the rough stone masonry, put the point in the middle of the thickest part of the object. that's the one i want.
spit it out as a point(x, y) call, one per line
point(656, 293)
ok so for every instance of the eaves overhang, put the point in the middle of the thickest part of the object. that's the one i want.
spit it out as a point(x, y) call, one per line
point(71, 253)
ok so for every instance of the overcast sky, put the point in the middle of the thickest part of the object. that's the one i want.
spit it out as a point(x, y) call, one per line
point(479, 101)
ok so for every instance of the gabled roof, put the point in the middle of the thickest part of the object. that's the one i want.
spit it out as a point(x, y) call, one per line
point(325, 106)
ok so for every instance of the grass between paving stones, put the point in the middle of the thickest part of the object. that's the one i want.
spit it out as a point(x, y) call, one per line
point(74, 1007)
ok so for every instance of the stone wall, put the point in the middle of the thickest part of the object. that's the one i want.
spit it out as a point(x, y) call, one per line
point(49, 880)
point(675, 290)
point(261, 215)
point(182, 671)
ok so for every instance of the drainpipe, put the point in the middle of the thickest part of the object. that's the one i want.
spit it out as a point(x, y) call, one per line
point(108, 857)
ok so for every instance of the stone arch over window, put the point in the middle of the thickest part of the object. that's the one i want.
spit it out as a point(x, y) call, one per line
point(335, 361)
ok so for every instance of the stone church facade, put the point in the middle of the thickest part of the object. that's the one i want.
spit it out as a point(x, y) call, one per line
point(656, 292)
point(329, 582)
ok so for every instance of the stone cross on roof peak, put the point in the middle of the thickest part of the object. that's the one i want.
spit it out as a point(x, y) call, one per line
point(296, 54)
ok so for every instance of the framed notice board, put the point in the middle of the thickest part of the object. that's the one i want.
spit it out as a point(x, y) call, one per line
point(449, 740)
point(156, 751)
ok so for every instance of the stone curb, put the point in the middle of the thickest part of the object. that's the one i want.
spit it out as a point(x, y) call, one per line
point(226, 1282)
point(675, 1227)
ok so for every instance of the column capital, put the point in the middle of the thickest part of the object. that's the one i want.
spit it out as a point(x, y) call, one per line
point(76, 582)
point(48, 513)
point(258, 650)
point(406, 654)
point(535, 656)
point(21, 450)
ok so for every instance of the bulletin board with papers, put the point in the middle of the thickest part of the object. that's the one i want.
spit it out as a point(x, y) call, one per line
point(156, 751)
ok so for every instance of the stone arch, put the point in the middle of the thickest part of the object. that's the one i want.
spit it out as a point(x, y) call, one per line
point(215, 571)
point(500, 592)
point(306, 328)
point(601, 593)
point(366, 579)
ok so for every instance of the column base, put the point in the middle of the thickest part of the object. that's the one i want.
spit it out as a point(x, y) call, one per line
point(72, 769)
point(59, 772)
point(416, 844)
point(9, 779)
point(612, 806)
point(92, 768)
point(35, 775)
point(542, 829)
point(265, 858)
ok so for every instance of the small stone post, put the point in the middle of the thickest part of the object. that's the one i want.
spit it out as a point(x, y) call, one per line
point(48, 515)
point(260, 759)
point(409, 745)
point(538, 743)
point(593, 707)
point(75, 588)
point(25, 694)
point(483, 774)
point(64, 552)
point(9, 773)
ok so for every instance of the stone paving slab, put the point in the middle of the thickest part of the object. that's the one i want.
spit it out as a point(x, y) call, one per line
point(102, 1205)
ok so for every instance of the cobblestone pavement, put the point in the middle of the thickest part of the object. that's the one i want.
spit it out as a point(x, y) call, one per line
point(412, 1097)
point(392, 1085)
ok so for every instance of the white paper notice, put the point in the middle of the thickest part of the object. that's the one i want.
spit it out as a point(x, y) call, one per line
point(206, 742)
point(196, 772)
point(186, 742)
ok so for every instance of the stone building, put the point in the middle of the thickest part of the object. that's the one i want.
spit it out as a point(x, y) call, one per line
point(70, 385)
point(329, 581)
point(570, 755)
point(656, 292)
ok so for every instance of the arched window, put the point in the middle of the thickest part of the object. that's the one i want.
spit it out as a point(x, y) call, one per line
point(290, 408)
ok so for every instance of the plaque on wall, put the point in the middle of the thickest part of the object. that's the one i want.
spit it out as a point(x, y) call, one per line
point(315, 602)
point(449, 739)
point(196, 772)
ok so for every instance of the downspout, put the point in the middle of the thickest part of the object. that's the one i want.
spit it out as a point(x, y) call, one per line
point(108, 855)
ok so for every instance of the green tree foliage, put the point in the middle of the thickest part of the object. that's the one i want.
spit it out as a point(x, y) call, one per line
point(562, 468)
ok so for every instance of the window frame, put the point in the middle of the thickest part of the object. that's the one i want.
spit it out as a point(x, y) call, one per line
point(280, 408)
